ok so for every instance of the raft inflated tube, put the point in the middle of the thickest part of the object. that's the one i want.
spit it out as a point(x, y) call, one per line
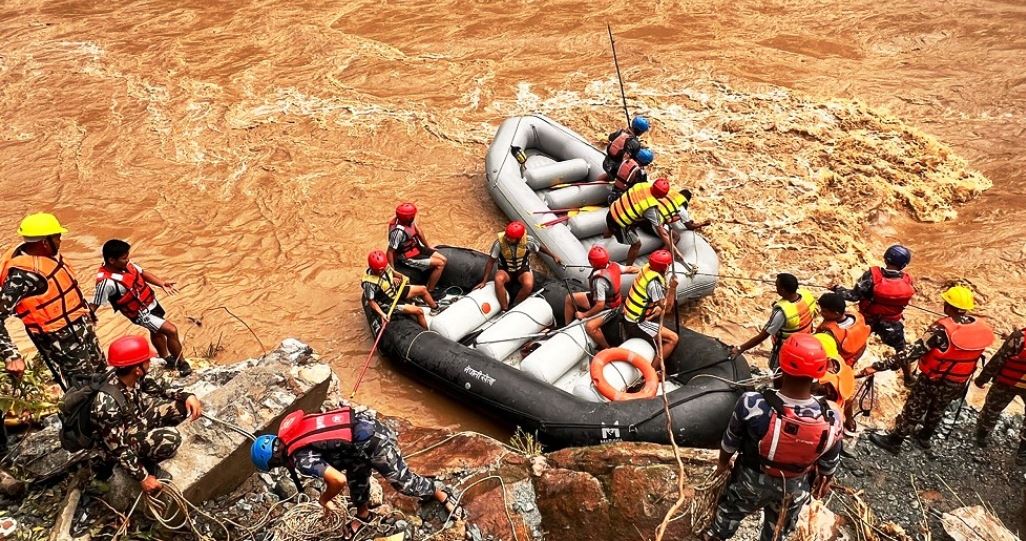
point(558, 355)
point(466, 314)
point(577, 196)
point(563, 172)
point(526, 318)
point(619, 374)
point(588, 224)
point(538, 161)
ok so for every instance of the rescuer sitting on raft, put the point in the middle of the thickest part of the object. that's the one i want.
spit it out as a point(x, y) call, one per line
point(786, 437)
point(603, 292)
point(793, 313)
point(512, 250)
point(848, 335)
point(640, 203)
point(384, 286)
point(622, 143)
point(882, 294)
point(125, 286)
point(647, 299)
point(406, 242)
point(948, 355)
point(1007, 369)
point(343, 446)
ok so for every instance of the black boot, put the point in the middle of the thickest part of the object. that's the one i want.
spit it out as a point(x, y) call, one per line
point(183, 367)
point(889, 442)
point(981, 440)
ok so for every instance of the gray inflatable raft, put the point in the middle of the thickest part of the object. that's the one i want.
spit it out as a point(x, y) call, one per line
point(559, 173)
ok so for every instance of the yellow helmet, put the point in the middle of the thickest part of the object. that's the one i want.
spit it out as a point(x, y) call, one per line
point(960, 297)
point(39, 225)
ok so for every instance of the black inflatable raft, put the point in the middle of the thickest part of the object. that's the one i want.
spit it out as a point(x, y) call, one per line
point(700, 406)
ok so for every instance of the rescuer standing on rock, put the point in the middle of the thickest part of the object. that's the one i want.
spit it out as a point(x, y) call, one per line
point(134, 415)
point(882, 294)
point(1007, 369)
point(41, 289)
point(948, 355)
point(848, 335)
point(794, 313)
point(785, 437)
point(343, 446)
point(126, 287)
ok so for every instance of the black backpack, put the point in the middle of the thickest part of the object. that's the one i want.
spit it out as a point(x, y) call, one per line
point(77, 430)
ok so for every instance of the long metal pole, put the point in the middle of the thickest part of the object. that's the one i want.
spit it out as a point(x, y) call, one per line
point(623, 95)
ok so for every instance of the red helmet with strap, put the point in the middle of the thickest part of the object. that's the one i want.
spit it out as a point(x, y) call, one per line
point(660, 188)
point(803, 355)
point(406, 212)
point(377, 260)
point(515, 231)
point(598, 257)
point(129, 351)
point(660, 260)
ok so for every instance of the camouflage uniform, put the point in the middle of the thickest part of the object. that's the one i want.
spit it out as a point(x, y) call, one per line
point(374, 446)
point(73, 351)
point(891, 333)
point(927, 399)
point(145, 434)
point(750, 489)
point(1000, 395)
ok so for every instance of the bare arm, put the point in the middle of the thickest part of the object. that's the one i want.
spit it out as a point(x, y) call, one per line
point(487, 272)
point(167, 286)
point(390, 254)
point(544, 250)
point(423, 239)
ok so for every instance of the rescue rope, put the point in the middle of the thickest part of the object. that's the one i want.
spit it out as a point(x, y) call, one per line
point(661, 529)
point(865, 393)
point(543, 334)
point(459, 498)
point(199, 323)
point(702, 508)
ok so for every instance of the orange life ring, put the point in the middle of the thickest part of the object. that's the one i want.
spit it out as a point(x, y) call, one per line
point(611, 355)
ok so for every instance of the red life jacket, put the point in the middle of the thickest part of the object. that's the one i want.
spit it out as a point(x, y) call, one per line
point(138, 294)
point(1013, 373)
point(612, 275)
point(890, 296)
point(965, 346)
point(410, 248)
point(299, 429)
point(627, 175)
point(793, 444)
point(615, 147)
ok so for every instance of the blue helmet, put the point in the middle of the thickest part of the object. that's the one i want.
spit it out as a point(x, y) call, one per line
point(639, 125)
point(645, 156)
point(262, 451)
point(898, 255)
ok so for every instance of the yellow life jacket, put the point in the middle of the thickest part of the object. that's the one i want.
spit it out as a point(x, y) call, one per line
point(637, 306)
point(799, 314)
point(631, 206)
point(513, 257)
point(669, 206)
point(385, 284)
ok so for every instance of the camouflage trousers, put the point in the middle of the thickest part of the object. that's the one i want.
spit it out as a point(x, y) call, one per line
point(381, 453)
point(926, 403)
point(73, 352)
point(891, 333)
point(998, 398)
point(751, 490)
point(155, 437)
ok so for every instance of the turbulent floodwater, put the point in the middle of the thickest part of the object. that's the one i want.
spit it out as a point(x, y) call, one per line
point(254, 152)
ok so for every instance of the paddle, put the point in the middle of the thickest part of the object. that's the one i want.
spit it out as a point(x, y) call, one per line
point(381, 332)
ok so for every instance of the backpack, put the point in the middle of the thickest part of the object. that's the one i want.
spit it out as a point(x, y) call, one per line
point(77, 430)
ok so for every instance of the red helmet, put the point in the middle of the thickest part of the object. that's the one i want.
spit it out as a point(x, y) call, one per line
point(377, 261)
point(803, 355)
point(515, 231)
point(406, 212)
point(598, 257)
point(661, 187)
point(660, 260)
point(129, 351)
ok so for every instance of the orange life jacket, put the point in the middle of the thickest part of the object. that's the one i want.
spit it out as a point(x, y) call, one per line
point(965, 346)
point(890, 296)
point(851, 342)
point(60, 305)
point(138, 295)
point(1013, 373)
point(612, 275)
point(299, 429)
point(628, 174)
point(793, 444)
point(410, 248)
point(615, 147)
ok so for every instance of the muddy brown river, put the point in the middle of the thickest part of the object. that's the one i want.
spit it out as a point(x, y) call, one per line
point(253, 151)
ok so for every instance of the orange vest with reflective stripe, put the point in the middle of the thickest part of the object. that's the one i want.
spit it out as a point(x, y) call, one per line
point(60, 305)
point(851, 342)
point(799, 314)
point(965, 346)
